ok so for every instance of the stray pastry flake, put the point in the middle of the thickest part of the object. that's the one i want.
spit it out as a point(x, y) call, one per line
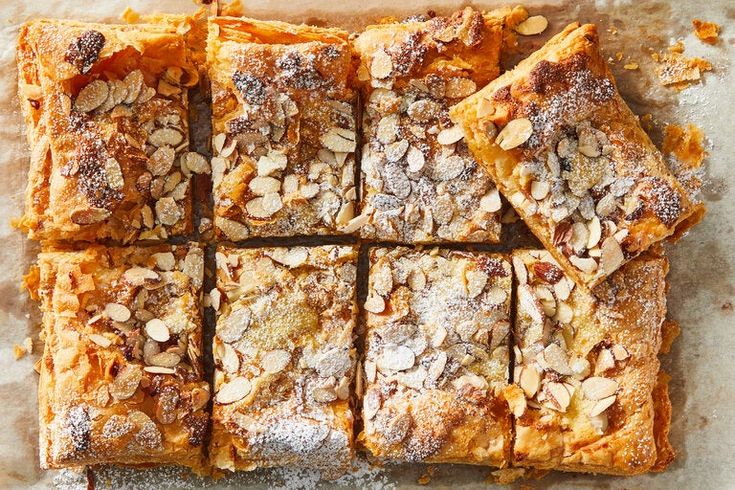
point(708, 32)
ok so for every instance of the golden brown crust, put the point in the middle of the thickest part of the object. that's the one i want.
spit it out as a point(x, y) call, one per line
point(284, 358)
point(99, 102)
point(572, 158)
point(588, 367)
point(436, 357)
point(420, 183)
point(121, 375)
point(283, 120)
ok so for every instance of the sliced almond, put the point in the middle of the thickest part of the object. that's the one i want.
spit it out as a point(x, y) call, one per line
point(597, 387)
point(165, 359)
point(602, 405)
point(89, 216)
point(450, 136)
point(530, 379)
point(273, 162)
point(490, 202)
point(484, 108)
point(117, 312)
point(100, 340)
point(157, 330)
point(556, 359)
point(595, 232)
point(396, 358)
point(133, 82)
point(612, 255)
point(459, 87)
point(514, 134)
point(161, 160)
point(164, 261)
point(141, 276)
point(358, 221)
point(374, 303)
point(159, 370)
point(91, 96)
point(559, 394)
point(126, 382)
point(415, 159)
point(275, 361)
point(195, 162)
point(113, 174)
point(620, 352)
point(168, 211)
point(539, 190)
point(381, 65)
point(533, 25)
point(371, 404)
point(199, 398)
point(232, 229)
point(290, 257)
point(345, 214)
point(166, 137)
point(585, 264)
point(234, 390)
point(519, 267)
point(339, 140)
point(260, 186)
point(516, 400)
point(564, 312)
point(605, 361)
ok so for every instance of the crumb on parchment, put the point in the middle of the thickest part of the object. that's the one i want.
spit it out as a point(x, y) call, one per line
point(676, 71)
point(707, 32)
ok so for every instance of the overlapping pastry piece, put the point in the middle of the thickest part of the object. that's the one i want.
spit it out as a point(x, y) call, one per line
point(586, 396)
point(571, 157)
point(106, 115)
point(436, 358)
point(121, 376)
point(284, 358)
point(283, 124)
point(420, 183)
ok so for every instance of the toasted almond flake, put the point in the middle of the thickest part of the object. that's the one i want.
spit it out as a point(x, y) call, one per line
point(345, 214)
point(484, 108)
point(602, 405)
point(556, 359)
point(165, 137)
point(516, 400)
point(157, 330)
point(113, 174)
point(139, 276)
point(167, 211)
point(165, 359)
point(490, 202)
point(539, 190)
point(100, 340)
point(126, 382)
point(199, 398)
point(587, 265)
point(564, 312)
point(560, 395)
point(620, 352)
point(529, 304)
point(459, 87)
point(496, 295)
point(159, 370)
point(371, 404)
point(595, 232)
point(146, 94)
point(164, 261)
point(514, 134)
point(195, 162)
point(324, 394)
point(117, 312)
point(440, 334)
point(290, 257)
point(597, 387)
point(339, 140)
point(396, 358)
point(232, 229)
point(89, 216)
point(416, 280)
point(520, 270)
point(133, 82)
point(450, 136)
point(91, 96)
point(374, 303)
point(258, 208)
point(605, 361)
point(234, 390)
point(475, 282)
point(535, 24)
point(229, 358)
point(260, 186)
point(530, 380)
point(273, 162)
point(275, 361)
point(381, 65)
point(357, 222)
point(612, 255)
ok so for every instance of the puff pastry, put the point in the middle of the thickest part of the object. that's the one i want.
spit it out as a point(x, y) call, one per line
point(571, 157)
point(284, 358)
point(586, 395)
point(106, 114)
point(420, 183)
point(436, 357)
point(121, 376)
point(283, 119)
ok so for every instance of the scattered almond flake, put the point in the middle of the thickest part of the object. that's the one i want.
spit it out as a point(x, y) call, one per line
point(357, 222)
point(612, 255)
point(564, 312)
point(89, 216)
point(374, 304)
point(195, 162)
point(157, 330)
point(339, 140)
point(139, 276)
point(165, 359)
point(381, 65)
point(484, 108)
point(605, 361)
point(597, 388)
point(619, 352)
point(678, 72)
point(559, 394)
point(539, 190)
point(530, 380)
point(166, 137)
point(126, 382)
point(168, 211)
point(260, 186)
point(602, 405)
point(586, 265)
point(100, 340)
point(164, 261)
point(450, 135)
point(556, 358)
point(232, 229)
point(535, 24)
point(459, 87)
point(290, 257)
point(91, 96)
point(159, 370)
point(709, 32)
point(117, 312)
point(514, 134)
point(275, 361)
point(113, 174)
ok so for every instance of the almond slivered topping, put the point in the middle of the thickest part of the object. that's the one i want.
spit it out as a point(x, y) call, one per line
point(530, 380)
point(381, 65)
point(275, 361)
point(602, 405)
point(560, 395)
point(157, 330)
point(234, 390)
point(514, 134)
point(117, 312)
point(597, 388)
point(535, 24)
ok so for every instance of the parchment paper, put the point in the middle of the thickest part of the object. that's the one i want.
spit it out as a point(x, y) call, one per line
point(702, 265)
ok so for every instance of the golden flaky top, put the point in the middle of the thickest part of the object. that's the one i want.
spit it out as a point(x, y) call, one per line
point(586, 368)
point(283, 123)
point(420, 183)
point(284, 358)
point(571, 157)
point(436, 357)
point(106, 115)
point(121, 375)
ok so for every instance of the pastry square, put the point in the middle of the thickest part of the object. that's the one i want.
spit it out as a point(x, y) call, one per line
point(121, 375)
point(106, 114)
point(420, 184)
point(436, 357)
point(284, 358)
point(586, 396)
point(283, 120)
point(573, 160)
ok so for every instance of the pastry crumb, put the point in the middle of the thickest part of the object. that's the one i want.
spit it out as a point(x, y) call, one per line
point(426, 477)
point(676, 70)
point(670, 330)
point(707, 32)
point(506, 476)
point(631, 66)
point(19, 352)
point(685, 143)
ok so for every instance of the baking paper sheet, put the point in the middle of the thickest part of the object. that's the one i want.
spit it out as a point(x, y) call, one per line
point(702, 265)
